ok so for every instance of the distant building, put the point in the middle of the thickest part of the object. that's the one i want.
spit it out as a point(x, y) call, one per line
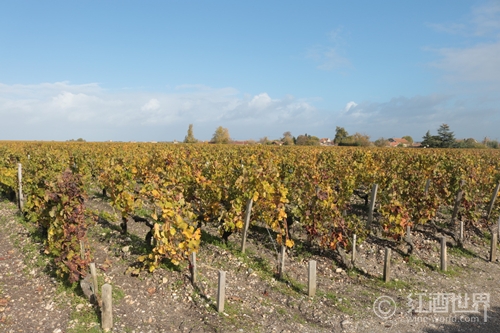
point(325, 142)
point(398, 142)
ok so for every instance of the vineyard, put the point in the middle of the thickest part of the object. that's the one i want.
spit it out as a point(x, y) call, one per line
point(318, 198)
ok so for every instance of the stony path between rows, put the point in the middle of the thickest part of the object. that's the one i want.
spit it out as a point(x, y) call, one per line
point(28, 298)
point(32, 301)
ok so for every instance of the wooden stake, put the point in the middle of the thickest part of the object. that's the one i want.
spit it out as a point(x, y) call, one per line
point(248, 213)
point(311, 290)
point(427, 184)
point(107, 307)
point(20, 197)
point(373, 198)
point(93, 272)
point(492, 201)
point(461, 231)
point(408, 234)
point(493, 247)
point(387, 264)
point(353, 259)
point(281, 268)
point(221, 291)
point(82, 250)
point(458, 198)
point(193, 267)
point(444, 256)
point(498, 227)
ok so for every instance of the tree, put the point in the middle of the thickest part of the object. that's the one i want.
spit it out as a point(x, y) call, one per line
point(190, 137)
point(340, 134)
point(287, 139)
point(358, 139)
point(307, 140)
point(381, 142)
point(469, 143)
point(491, 143)
point(221, 135)
point(408, 138)
point(430, 141)
point(446, 137)
point(264, 141)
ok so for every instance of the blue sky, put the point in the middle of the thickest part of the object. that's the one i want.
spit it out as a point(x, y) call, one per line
point(145, 70)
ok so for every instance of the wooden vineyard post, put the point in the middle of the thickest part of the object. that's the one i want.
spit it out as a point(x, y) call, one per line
point(387, 264)
point(192, 259)
point(498, 226)
point(493, 248)
point(444, 256)
point(311, 290)
point(461, 235)
point(458, 198)
point(20, 196)
point(427, 185)
point(353, 259)
point(373, 198)
point(221, 291)
point(107, 307)
point(492, 201)
point(248, 213)
point(93, 272)
point(82, 250)
point(408, 234)
point(281, 267)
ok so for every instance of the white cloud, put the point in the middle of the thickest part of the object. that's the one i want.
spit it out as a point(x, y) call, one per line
point(151, 105)
point(468, 116)
point(261, 101)
point(479, 63)
point(350, 105)
point(62, 111)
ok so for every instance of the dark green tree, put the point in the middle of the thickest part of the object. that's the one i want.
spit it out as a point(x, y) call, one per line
point(446, 137)
point(430, 141)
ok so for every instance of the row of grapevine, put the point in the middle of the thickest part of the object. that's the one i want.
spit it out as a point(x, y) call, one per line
point(183, 187)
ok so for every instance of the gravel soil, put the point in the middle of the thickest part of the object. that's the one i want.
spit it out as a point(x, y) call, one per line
point(32, 300)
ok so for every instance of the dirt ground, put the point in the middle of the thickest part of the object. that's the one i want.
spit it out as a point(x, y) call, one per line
point(32, 300)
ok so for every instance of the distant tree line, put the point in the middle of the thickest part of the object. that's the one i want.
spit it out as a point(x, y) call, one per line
point(445, 138)
point(342, 138)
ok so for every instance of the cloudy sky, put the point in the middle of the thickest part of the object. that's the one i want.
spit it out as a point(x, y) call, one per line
point(145, 70)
